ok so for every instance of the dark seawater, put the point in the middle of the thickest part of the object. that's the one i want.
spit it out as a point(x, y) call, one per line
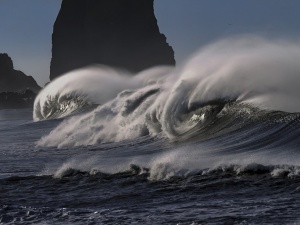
point(46, 185)
point(213, 141)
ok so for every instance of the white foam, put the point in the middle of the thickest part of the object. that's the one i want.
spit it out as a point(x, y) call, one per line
point(247, 69)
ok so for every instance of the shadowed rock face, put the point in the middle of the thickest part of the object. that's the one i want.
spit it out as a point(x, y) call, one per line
point(17, 90)
point(118, 33)
point(14, 80)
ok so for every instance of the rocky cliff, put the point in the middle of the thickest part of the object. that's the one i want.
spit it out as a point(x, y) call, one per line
point(118, 33)
point(17, 90)
point(14, 80)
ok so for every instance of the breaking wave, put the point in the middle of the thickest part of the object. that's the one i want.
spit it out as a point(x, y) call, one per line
point(226, 86)
point(80, 89)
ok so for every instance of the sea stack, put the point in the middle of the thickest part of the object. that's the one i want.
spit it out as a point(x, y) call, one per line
point(12, 80)
point(119, 33)
point(17, 90)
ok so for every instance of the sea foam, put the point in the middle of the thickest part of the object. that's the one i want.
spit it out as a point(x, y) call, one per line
point(163, 100)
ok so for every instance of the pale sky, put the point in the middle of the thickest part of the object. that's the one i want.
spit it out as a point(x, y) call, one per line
point(26, 26)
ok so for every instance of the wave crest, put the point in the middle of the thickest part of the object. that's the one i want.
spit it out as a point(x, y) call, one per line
point(79, 89)
point(239, 78)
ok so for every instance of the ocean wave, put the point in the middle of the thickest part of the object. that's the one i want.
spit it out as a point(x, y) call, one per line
point(168, 172)
point(80, 89)
point(227, 85)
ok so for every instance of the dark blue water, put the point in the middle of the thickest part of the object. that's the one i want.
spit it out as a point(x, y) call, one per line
point(243, 174)
point(213, 141)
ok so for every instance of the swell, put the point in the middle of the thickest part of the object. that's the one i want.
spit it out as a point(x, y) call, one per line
point(79, 90)
point(232, 86)
point(61, 106)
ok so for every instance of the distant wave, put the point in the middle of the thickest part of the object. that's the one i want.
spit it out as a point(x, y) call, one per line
point(167, 172)
point(225, 86)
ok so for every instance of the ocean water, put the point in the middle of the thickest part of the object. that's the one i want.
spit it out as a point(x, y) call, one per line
point(214, 141)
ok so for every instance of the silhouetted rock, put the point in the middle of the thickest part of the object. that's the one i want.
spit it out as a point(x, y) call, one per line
point(17, 90)
point(14, 80)
point(6, 64)
point(118, 33)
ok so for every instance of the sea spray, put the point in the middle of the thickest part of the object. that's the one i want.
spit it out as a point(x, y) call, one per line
point(243, 76)
point(91, 85)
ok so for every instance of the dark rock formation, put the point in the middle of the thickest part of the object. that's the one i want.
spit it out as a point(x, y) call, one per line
point(118, 33)
point(17, 90)
point(14, 80)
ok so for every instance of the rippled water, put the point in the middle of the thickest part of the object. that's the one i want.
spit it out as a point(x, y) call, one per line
point(139, 181)
point(213, 141)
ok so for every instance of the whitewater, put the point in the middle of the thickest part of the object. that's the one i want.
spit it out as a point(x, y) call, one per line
point(214, 140)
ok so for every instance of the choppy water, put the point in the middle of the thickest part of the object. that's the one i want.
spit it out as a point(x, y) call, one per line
point(147, 180)
point(213, 142)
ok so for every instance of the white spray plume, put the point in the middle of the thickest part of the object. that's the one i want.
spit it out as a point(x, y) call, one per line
point(249, 70)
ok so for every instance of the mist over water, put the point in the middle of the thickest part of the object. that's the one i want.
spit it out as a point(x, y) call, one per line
point(79, 88)
point(212, 141)
point(246, 70)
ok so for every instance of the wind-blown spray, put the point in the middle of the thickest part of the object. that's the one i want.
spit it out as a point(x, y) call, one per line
point(239, 75)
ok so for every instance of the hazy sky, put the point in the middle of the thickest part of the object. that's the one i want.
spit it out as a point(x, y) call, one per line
point(26, 26)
